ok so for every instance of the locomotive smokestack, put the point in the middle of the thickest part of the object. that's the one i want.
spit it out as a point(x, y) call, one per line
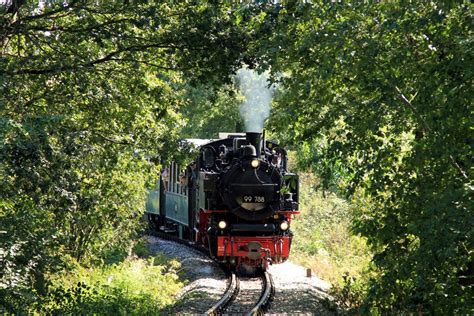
point(255, 139)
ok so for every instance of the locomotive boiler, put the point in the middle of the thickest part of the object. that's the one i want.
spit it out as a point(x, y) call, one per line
point(236, 198)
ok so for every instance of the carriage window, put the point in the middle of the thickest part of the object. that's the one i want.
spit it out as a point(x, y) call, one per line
point(165, 177)
point(174, 179)
point(183, 184)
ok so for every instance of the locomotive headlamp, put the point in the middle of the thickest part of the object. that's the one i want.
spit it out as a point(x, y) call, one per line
point(284, 225)
point(222, 224)
point(255, 163)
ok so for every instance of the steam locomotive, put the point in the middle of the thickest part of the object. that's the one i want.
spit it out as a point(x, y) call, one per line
point(237, 199)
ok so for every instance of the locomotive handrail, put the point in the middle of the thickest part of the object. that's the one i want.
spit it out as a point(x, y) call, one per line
point(253, 185)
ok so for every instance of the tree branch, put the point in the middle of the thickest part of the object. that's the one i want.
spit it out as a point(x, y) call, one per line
point(119, 142)
point(427, 128)
point(148, 63)
point(77, 30)
point(109, 57)
point(407, 102)
point(43, 15)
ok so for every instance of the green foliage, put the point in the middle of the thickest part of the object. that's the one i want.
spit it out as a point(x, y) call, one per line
point(134, 286)
point(140, 248)
point(377, 97)
point(323, 239)
point(351, 294)
point(89, 98)
point(209, 111)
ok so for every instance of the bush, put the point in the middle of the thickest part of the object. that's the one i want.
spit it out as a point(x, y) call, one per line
point(134, 286)
point(324, 242)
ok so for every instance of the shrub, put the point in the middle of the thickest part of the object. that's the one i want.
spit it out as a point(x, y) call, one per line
point(134, 286)
point(324, 242)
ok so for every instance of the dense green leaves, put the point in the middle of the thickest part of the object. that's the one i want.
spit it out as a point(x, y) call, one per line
point(378, 99)
point(134, 286)
point(89, 105)
point(209, 111)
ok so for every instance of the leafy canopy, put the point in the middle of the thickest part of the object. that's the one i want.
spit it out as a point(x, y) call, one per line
point(88, 107)
point(377, 97)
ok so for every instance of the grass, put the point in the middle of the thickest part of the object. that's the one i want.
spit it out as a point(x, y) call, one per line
point(323, 240)
point(134, 286)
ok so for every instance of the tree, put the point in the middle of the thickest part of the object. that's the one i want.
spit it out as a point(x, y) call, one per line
point(380, 95)
point(88, 95)
point(208, 111)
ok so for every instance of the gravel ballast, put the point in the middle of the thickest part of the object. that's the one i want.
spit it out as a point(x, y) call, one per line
point(295, 293)
point(206, 279)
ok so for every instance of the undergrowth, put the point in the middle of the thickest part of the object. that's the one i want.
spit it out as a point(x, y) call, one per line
point(133, 286)
point(323, 242)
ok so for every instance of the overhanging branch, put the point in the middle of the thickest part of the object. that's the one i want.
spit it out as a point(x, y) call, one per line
point(427, 128)
point(109, 57)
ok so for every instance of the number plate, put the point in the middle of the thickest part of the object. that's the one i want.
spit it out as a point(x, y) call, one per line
point(254, 199)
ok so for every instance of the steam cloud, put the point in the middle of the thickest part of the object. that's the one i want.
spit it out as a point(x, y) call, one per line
point(258, 96)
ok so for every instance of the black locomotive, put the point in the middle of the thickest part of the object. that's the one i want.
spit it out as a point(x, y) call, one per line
point(237, 199)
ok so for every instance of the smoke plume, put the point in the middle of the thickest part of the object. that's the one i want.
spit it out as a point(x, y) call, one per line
point(258, 96)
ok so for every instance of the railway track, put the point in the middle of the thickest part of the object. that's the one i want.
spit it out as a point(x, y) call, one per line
point(249, 296)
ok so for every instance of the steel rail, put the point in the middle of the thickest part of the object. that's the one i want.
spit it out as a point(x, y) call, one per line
point(229, 296)
point(233, 282)
point(233, 287)
point(266, 296)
